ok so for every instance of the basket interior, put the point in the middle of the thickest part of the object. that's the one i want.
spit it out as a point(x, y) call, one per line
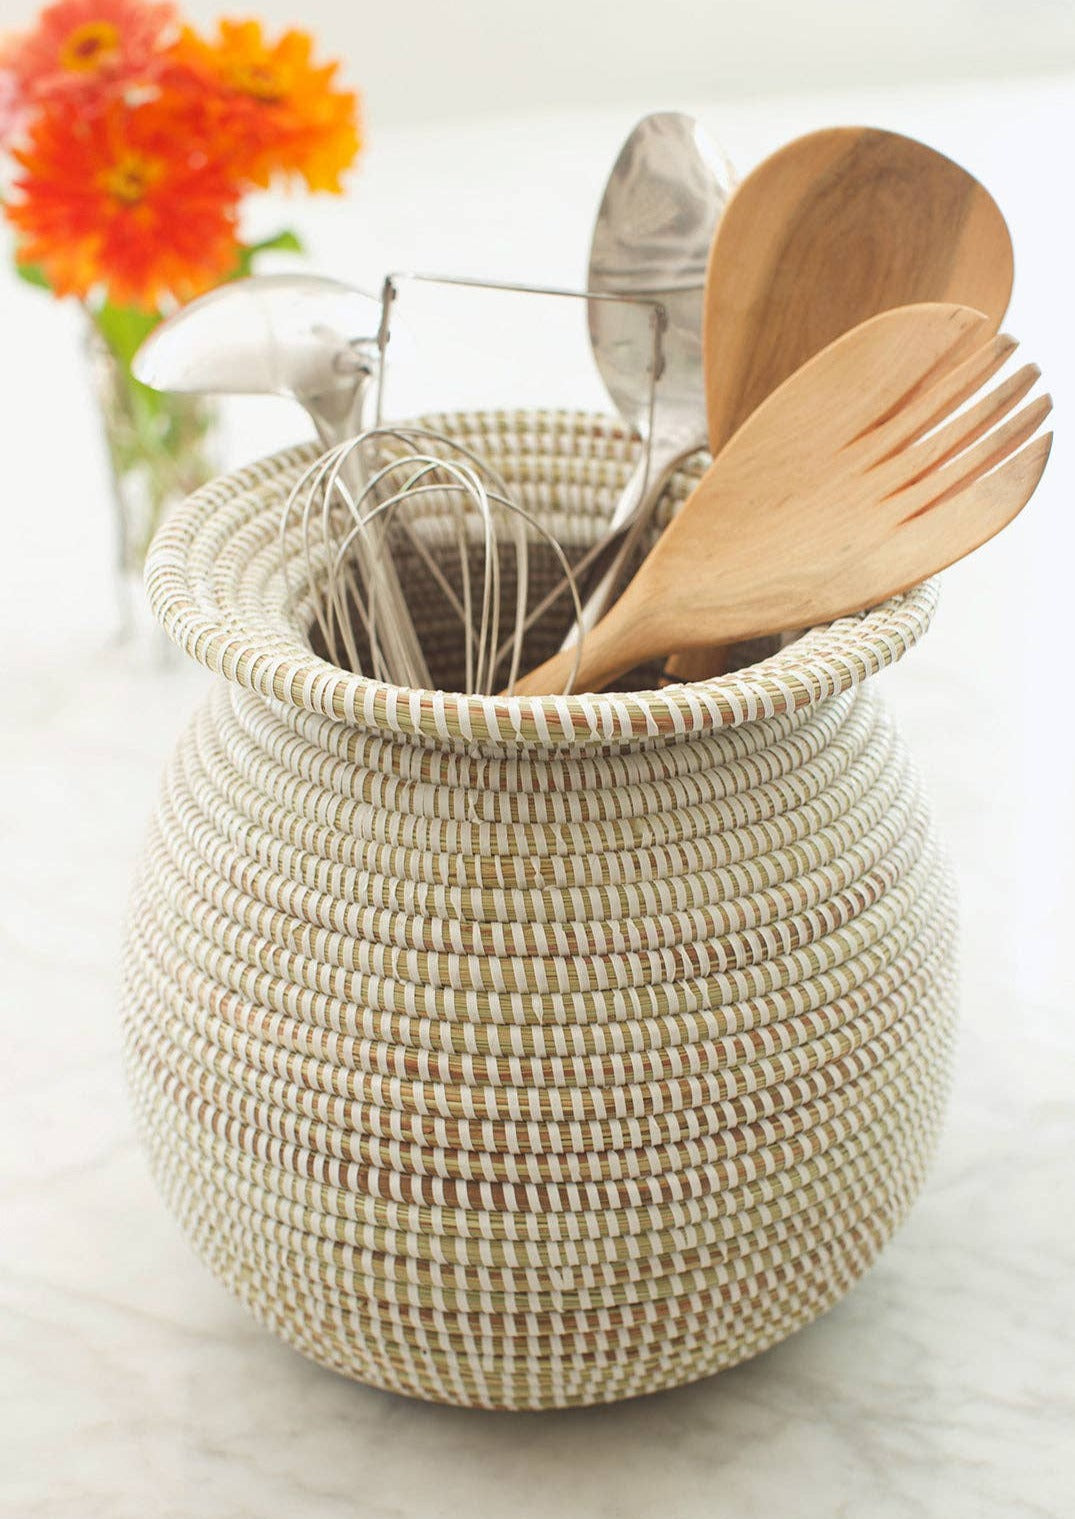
point(438, 625)
point(234, 582)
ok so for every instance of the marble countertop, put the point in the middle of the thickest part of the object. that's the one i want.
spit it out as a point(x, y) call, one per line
point(944, 1385)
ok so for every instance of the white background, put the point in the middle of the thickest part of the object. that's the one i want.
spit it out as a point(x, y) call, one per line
point(427, 59)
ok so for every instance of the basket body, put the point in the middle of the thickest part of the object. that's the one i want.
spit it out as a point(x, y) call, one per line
point(532, 1054)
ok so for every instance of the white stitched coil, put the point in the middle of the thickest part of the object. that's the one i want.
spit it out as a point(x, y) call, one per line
point(524, 1054)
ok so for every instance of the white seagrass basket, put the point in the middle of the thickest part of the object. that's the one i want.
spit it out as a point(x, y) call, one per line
point(528, 1053)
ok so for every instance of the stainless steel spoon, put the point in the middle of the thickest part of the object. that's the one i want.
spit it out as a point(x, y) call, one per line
point(664, 197)
point(307, 337)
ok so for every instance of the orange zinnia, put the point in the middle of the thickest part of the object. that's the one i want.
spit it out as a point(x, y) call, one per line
point(127, 198)
point(80, 45)
point(281, 111)
point(11, 111)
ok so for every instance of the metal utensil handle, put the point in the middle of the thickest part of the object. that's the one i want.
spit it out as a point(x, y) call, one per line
point(632, 515)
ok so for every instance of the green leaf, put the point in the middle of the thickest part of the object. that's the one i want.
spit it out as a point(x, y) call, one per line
point(33, 274)
point(285, 241)
point(124, 328)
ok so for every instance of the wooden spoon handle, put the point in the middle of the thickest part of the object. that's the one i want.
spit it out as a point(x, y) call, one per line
point(719, 659)
point(615, 645)
point(698, 664)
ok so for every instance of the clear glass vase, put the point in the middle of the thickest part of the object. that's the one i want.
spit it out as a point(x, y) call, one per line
point(160, 448)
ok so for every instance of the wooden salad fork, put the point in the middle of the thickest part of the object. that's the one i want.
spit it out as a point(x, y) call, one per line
point(854, 480)
point(830, 230)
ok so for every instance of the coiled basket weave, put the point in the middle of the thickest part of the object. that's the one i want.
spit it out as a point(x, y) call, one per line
point(528, 1053)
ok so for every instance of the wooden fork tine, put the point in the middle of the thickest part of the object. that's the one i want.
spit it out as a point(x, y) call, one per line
point(938, 396)
point(972, 514)
point(909, 465)
point(938, 486)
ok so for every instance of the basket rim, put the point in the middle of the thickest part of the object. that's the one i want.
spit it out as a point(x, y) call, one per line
point(276, 662)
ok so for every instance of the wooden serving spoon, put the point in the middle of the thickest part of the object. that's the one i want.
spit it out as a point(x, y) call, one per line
point(840, 490)
point(832, 229)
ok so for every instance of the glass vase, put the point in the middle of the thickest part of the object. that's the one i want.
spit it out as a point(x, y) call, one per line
point(160, 448)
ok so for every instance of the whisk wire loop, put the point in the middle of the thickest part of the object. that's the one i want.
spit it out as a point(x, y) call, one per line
point(462, 526)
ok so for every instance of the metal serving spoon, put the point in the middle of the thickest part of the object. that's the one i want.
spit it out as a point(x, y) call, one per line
point(304, 336)
point(273, 334)
point(664, 197)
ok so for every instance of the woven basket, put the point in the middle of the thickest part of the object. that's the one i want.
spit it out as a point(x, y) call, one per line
point(528, 1053)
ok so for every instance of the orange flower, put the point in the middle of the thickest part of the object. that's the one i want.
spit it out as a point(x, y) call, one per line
point(80, 45)
point(280, 110)
point(10, 105)
point(128, 198)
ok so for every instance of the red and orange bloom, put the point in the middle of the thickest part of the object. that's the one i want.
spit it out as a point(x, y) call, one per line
point(80, 47)
point(134, 141)
point(125, 199)
point(283, 112)
point(11, 108)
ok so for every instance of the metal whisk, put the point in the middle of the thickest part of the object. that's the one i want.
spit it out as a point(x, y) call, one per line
point(455, 515)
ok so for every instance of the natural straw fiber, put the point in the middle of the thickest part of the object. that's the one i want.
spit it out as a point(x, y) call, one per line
point(527, 1053)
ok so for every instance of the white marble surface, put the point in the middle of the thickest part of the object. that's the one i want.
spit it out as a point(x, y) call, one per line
point(943, 1386)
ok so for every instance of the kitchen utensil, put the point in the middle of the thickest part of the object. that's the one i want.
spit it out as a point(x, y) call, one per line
point(299, 335)
point(313, 339)
point(642, 318)
point(654, 226)
point(464, 528)
point(841, 489)
point(830, 230)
